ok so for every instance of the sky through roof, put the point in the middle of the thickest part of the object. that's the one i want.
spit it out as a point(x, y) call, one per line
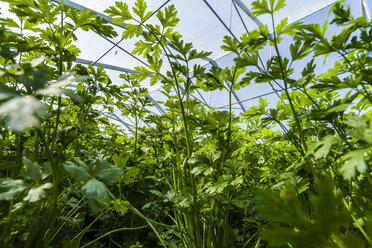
point(204, 23)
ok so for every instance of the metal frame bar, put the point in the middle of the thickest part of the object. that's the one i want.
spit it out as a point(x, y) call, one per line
point(251, 98)
point(365, 10)
point(117, 68)
point(107, 66)
point(229, 30)
point(248, 12)
point(115, 117)
point(211, 61)
point(156, 104)
point(109, 19)
point(235, 94)
point(128, 106)
point(76, 6)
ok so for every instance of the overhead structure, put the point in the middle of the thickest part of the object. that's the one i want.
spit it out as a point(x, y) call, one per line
point(204, 23)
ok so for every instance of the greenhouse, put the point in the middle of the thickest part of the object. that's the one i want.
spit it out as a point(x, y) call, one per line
point(191, 124)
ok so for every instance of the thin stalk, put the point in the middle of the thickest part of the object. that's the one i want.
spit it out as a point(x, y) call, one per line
point(69, 214)
point(135, 134)
point(110, 232)
point(230, 111)
point(81, 234)
point(284, 77)
point(366, 236)
point(54, 136)
point(149, 222)
point(52, 211)
point(258, 242)
point(52, 165)
point(19, 152)
point(36, 147)
point(195, 220)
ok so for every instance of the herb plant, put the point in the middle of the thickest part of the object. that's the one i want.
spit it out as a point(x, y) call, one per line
point(292, 175)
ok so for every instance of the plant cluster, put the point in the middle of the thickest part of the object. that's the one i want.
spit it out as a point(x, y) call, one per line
point(297, 175)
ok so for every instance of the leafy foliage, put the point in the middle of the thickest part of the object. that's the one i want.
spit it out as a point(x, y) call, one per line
point(297, 175)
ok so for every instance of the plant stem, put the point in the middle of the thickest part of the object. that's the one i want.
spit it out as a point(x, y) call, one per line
point(112, 231)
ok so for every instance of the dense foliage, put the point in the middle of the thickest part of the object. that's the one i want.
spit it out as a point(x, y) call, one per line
point(296, 175)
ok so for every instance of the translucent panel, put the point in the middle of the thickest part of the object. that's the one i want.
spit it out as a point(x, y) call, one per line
point(200, 26)
point(294, 10)
point(202, 97)
point(204, 23)
point(219, 98)
point(159, 98)
point(100, 6)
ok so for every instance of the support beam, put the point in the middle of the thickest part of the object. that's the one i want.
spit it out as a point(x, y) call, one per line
point(76, 6)
point(249, 99)
point(248, 12)
point(156, 104)
point(116, 118)
point(148, 125)
point(365, 10)
point(107, 18)
point(235, 95)
point(107, 66)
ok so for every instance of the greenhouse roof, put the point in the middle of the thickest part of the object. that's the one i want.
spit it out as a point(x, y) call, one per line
point(204, 23)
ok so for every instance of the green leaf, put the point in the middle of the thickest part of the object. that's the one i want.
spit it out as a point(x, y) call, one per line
point(231, 44)
point(323, 147)
point(120, 206)
point(108, 173)
point(279, 28)
point(168, 18)
point(260, 7)
point(341, 15)
point(362, 130)
point(23, 112)
point(10, 188)
point(120, 13)
point(37, 193)
point(142, 48)
point(130, 174)
point(78, 173)
point(293, 227)
point(6, 92)
point(55, 88)
point(354, 162)
point(218, 186)
point(205, 170)
point(120, 160)
point(96, 190)
point(325, 204)
point(299, 50)
point(253, 41)
point(246, 60)
point(82, 17)
point(279, 5)
point(142, 74)
point(140, 10)
point(32, 171)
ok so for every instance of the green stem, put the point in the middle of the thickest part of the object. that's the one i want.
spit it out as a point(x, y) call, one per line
point(72, 211)
point(81, 234)
point(135, 135)
point(284, 77)
point(110, 232)
point(357, 223)
point(149, 222)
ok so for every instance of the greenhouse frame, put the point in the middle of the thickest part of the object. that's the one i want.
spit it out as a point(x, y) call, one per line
point(192, 124)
